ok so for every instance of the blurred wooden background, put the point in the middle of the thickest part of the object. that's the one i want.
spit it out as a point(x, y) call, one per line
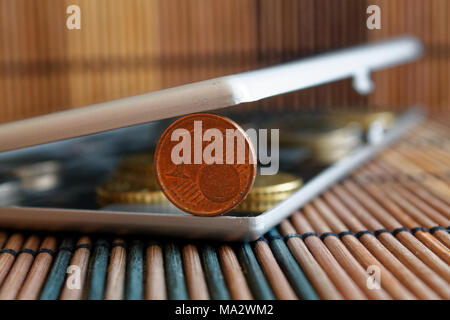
point(128, 47)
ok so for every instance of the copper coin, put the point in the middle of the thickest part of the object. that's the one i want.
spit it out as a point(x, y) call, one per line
point(195, 174)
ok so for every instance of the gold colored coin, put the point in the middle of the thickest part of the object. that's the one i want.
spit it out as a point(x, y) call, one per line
point(321, 137)
point(135, 182)
point(276, 196)
point(139, 163)
point(268, 190)
point(326, 139)
point(247, 206)
point(141, 180)
point(138, 169)
point(365, 119)
point(269, 184)
point(122, 191)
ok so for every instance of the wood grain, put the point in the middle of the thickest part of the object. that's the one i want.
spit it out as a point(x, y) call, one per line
point(75, 282)
point(394, 245)
point(297, 279)
point(38, 273)
point(343, 256)
point(195, 278)
point(20, 269)
point(359, 251)
point(155, 283)
point(407, 239)
point(409, 279)
point(115, 280)
point(310, 266)
point(14, 243)
point(253, 273)
point(233, 274)
point(280, 285)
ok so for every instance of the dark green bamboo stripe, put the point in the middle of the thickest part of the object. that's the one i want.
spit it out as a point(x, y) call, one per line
point(213, 273)
point(99, 270)
point(56, 277)
point(176, 286)
point(291, 269)
point(134, 285)
point(253, 273)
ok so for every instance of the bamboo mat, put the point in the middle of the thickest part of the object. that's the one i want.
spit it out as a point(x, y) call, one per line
point(391, 215)
point(130, 47)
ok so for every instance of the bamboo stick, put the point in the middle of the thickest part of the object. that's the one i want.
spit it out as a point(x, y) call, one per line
point(134, 275)
point(252, 270)
point(195, 278)
point(395, 245)
point(173, 265)
point(327, 261)
point(343, 256)
point(424, 214)
point(431, 213)
point(419, 191)
point(295, 275)
point(99, 269)
point(420, 250)
point(280, 285)
point(115, 281)
point(234, 276)
point(38, 274)
point(384, 194)
point(441, 247)
point(7, 257)
point(57, 274)
point(155, 283)
point(19, 270)
point(361, 253)
point(75, 282)
point(439, 188)
point(214, 277)
point(319, 279)
point(390, 261)
point(421, 159)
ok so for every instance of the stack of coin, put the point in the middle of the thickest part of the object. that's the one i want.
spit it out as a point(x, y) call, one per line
point(374, 123)
point(133, 182)
point(364, 118)
point(34, 175)
point(10, 190)
point(267, 191)
point(39, 176)
point(326, 140)
point(138, 168)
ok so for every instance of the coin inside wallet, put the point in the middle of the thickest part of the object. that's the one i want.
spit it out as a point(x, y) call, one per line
point(114, 170)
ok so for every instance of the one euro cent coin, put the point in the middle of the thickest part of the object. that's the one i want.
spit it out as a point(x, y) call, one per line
point(205, 164)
